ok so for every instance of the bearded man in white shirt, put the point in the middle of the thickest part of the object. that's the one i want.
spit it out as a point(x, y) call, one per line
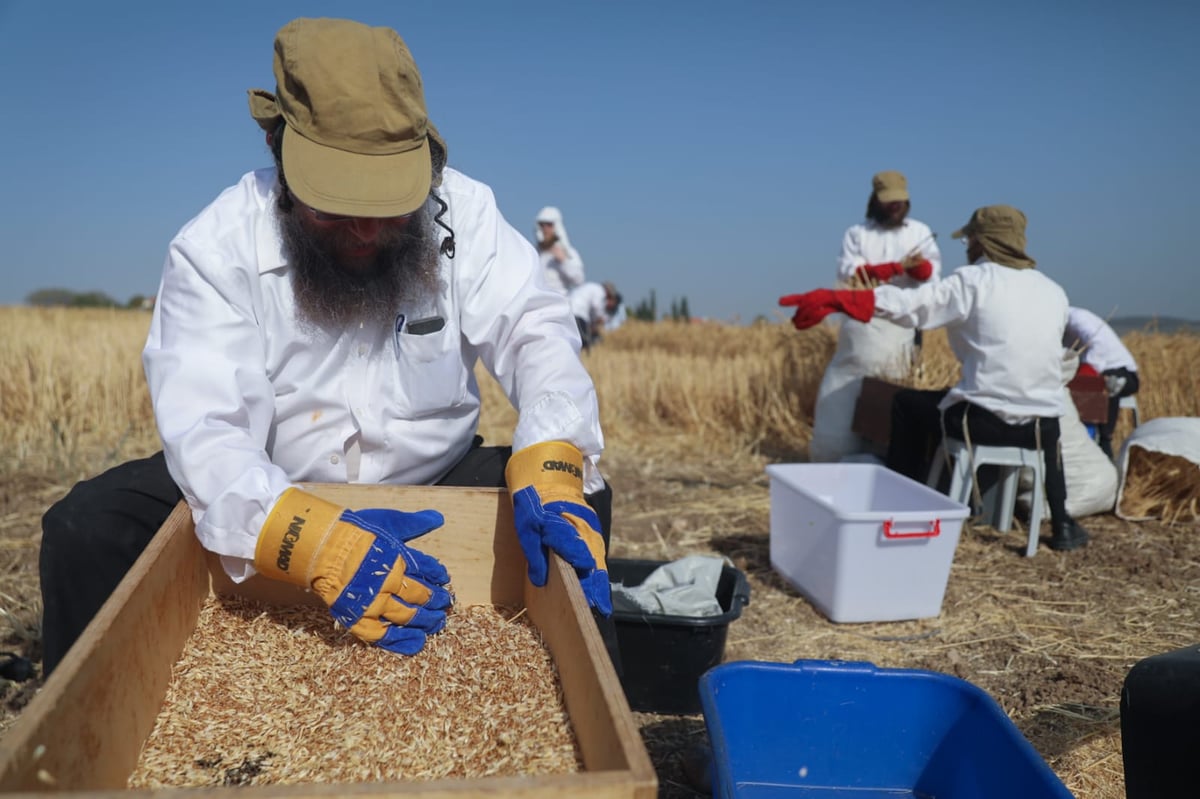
point(320, 322)
point(1005, 322)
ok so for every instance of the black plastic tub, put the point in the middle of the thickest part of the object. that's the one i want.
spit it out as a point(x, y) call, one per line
point(1160, 703)
point(662, 657)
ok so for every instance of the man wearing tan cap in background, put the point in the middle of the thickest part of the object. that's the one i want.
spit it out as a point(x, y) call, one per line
point(320, 322)
point(887, 248)
point(1005, 321)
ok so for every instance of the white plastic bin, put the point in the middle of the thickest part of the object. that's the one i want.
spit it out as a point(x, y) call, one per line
point(862, 542)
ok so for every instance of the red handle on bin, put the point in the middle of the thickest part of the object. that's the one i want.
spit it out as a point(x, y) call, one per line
point(932, 532)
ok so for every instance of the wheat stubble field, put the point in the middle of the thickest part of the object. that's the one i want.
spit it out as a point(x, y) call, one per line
point(692, 414)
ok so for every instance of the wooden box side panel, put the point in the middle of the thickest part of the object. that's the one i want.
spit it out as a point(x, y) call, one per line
point(84, 729)
point(873, 410)
point(609, 739)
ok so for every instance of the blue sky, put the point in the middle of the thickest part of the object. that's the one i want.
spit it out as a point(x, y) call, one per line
point(710, 150)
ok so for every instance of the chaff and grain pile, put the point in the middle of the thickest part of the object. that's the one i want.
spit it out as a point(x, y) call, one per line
point(270, 695)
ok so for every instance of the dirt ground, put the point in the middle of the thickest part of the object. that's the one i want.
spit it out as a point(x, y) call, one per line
point(1051, 638)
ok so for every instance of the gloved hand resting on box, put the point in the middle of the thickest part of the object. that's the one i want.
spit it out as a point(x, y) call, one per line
point(546, 484)
point(383, 591)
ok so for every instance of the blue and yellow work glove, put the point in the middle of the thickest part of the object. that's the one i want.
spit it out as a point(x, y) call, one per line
point(385, 592)
point(550, 514)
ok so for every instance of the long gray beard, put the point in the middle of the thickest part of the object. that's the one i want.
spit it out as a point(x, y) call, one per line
point(406, 272)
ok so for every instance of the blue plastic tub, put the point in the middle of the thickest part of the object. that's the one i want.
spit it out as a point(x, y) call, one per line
point(825, 729)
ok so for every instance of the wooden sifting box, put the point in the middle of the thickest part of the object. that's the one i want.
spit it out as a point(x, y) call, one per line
point(85, 728)
point(873, 410)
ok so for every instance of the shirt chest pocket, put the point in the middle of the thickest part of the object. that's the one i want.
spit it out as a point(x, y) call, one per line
point(430, 373)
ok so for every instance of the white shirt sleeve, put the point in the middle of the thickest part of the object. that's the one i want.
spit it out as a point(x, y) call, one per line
point(851, 256)
point(526, 336)
point(213, 400)
point(572, 269)
point(929, 305)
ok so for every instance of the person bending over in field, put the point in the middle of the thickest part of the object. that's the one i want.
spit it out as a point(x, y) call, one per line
point(319, 322)
point(1005, 321)
point(1103, 353)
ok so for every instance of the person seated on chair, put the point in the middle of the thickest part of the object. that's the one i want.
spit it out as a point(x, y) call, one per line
point(1005, 321)
point(1103, 354)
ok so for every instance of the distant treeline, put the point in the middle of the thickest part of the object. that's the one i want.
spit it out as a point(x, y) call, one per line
point(1154, 324)
point(647, 309)
point(65, 298)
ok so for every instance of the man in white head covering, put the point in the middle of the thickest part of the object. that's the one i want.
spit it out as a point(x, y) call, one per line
point(561, 264)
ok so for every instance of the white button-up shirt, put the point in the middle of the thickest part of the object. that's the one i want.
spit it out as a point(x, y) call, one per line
point(1102, 347)
point(871, 243)
point(1005, 326)
point(249, 401)
point(877, 348)
point(588, 302)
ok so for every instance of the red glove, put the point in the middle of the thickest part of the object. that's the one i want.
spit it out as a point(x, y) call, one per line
point(881, 272)
point(922, 270)
point(1086, 370)
point(814, 306)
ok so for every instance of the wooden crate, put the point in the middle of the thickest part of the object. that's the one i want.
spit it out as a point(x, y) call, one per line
point(873, 410)
point(85, 728)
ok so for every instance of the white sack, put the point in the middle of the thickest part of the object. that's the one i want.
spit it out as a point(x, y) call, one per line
point(1170, 435)
point(876, 349)
point(1091, 477)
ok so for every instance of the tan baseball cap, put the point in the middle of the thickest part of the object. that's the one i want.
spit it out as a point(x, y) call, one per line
point(890, 187)
point(1002, 221)
point(1000, 231)
point(357, 136)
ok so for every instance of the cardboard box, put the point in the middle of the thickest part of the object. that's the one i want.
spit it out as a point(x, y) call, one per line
point(1091, 398)
point(861, 542)
point(84, 730)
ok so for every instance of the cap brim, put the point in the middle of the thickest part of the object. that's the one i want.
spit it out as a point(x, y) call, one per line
point(960, 233)
point(353, 184)
point(891, 195)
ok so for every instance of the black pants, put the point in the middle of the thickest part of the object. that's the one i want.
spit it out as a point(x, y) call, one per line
point(1114, 406)
point(92, 537)
point(917, 432)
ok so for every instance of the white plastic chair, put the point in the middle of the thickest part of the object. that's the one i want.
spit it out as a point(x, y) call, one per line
point(1001, 499)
